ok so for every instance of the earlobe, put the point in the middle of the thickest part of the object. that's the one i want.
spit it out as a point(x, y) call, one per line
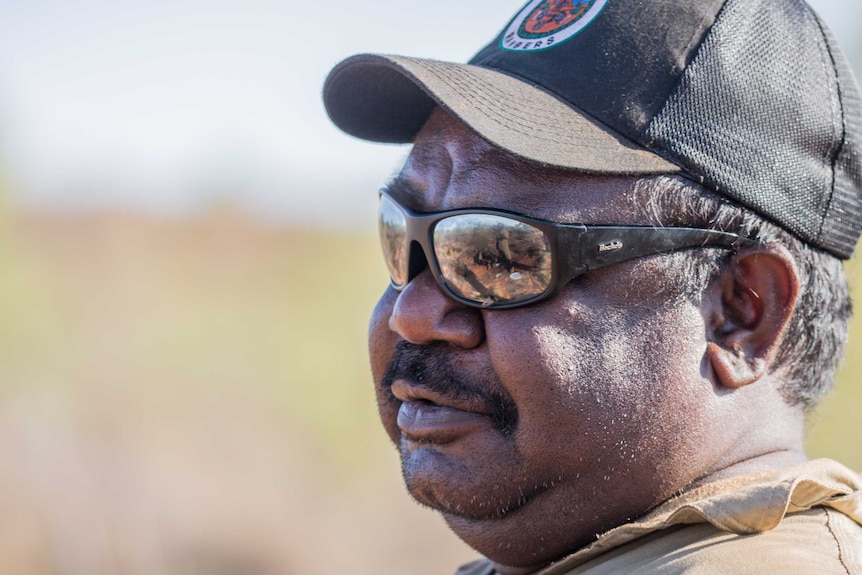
point(752, 303)
point(732, 368)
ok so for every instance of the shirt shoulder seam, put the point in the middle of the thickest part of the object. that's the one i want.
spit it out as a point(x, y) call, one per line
point(842, 558)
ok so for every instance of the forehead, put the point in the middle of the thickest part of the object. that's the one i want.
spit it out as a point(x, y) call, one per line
point(451, 167)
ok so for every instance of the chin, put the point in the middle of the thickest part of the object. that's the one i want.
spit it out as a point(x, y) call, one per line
point(440, 478)
point(531, 529)
point(492, 525)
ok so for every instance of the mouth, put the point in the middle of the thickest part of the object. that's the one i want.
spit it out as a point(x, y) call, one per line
point(427, 400)
point(427, 417)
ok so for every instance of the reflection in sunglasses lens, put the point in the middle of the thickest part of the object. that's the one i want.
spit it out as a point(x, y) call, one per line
point(492, 259)
point(393, 238)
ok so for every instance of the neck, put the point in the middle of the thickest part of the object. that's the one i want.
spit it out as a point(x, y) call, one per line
point(777, 459)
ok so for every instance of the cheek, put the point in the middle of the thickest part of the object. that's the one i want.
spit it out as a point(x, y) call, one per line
point(381, 343)
point(381, 340)
point(609, 385)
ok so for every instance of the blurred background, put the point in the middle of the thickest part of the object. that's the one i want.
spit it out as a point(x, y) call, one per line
point(187, 262)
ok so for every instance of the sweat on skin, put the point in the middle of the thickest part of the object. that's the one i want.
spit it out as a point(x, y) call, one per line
point(614, 377)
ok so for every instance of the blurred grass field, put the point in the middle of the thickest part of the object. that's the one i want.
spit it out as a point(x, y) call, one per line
point(193, 397)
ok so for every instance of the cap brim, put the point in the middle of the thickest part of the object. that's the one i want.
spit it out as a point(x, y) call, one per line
point(389, 98)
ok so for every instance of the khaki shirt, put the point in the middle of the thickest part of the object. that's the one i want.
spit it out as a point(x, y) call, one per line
point(800, 520)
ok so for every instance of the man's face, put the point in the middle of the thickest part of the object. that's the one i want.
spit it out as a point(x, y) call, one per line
point(533, 429)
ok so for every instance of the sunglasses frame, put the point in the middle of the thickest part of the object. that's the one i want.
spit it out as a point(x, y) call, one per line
point(575, 248)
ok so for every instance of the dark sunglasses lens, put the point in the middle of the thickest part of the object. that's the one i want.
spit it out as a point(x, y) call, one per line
point(492, 260)
point(393, 238)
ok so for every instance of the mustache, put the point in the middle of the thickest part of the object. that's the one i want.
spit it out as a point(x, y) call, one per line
point(433, 367)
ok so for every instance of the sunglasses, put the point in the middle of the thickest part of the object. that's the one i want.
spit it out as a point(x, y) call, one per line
point(494, 259)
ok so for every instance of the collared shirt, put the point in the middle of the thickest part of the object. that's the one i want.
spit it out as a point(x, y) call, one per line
point(799, 520)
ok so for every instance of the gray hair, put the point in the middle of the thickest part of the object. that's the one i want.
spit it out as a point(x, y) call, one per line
point(813, 345)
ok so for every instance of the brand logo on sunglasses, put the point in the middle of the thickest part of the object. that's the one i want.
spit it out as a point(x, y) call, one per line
point(543, 24)
point(611, 246)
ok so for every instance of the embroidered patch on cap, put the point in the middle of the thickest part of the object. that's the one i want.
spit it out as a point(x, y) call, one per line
point(543, 24)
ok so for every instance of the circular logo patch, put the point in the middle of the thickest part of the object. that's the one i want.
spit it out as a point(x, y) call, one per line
point(543, 24)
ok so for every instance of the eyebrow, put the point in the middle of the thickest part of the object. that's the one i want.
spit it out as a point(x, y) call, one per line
point(405, 192)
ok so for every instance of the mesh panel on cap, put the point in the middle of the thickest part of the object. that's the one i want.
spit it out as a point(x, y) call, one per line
point(844, 215)
point(757, 114)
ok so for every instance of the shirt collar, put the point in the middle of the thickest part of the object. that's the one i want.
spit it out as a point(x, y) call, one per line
point(744, 505)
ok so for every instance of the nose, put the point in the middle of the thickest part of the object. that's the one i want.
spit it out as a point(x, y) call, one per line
point(422, 314)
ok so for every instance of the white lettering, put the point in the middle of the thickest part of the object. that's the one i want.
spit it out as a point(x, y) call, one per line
point(587, 11)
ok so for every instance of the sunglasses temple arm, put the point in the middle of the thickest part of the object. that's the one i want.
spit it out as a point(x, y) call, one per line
point(606, 245)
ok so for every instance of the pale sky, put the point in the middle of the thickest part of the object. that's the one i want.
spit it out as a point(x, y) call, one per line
point(169, 105)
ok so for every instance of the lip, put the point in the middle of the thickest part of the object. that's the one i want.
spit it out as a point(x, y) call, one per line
point(425, 416)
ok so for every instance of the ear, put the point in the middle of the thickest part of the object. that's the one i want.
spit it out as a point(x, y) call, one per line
point(751, 305)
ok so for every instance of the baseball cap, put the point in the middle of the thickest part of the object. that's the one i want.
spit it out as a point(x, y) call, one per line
point(751, 98)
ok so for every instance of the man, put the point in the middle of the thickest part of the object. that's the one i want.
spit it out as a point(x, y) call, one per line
point(615, 254)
